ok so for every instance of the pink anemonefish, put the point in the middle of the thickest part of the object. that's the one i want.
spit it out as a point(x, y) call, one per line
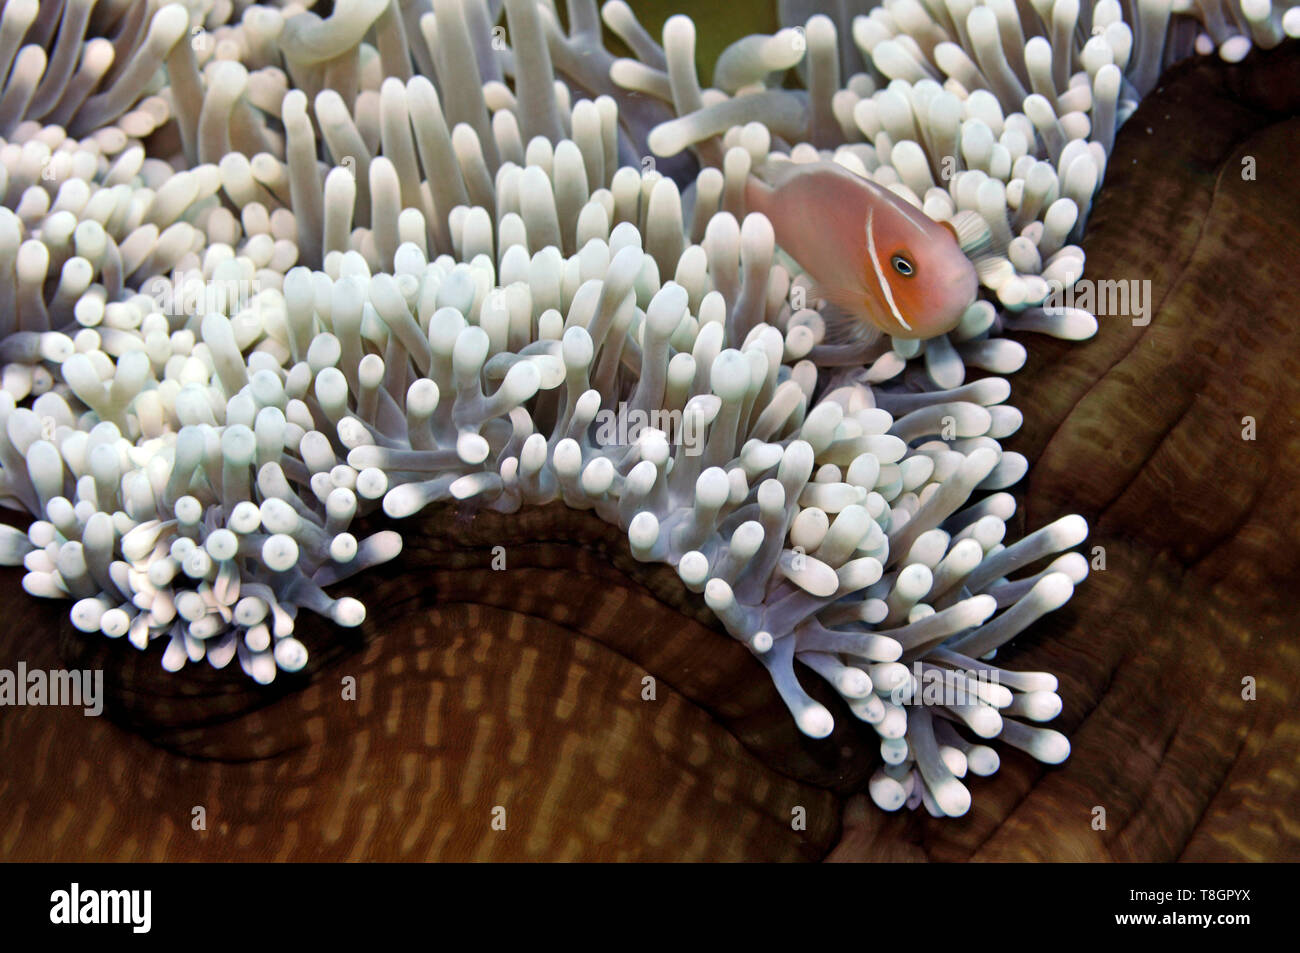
point(874, 255)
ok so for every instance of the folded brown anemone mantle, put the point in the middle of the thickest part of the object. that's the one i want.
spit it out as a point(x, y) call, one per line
point(523, 688)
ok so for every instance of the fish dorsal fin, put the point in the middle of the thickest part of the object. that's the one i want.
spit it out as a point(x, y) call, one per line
point(971, 231)
point(774, 172)
point(758, 195)
point(777, 171)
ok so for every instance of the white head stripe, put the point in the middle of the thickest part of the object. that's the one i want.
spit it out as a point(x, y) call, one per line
point(880, 272)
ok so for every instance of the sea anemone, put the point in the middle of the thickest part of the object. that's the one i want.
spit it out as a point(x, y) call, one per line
point(313, 275)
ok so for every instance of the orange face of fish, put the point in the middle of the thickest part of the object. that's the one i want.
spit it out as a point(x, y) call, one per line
point(879, 259)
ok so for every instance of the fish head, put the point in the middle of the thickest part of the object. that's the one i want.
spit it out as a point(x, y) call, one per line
point(917, 282)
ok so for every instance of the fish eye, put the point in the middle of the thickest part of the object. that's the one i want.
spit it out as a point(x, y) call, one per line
point(903, 266)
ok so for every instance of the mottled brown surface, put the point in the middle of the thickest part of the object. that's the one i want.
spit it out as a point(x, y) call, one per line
point(523, 688)
point(1141, 431)
point(459, 708)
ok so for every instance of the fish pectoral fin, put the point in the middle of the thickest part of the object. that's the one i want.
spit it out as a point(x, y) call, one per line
point(844, 319)
point(846, 299)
